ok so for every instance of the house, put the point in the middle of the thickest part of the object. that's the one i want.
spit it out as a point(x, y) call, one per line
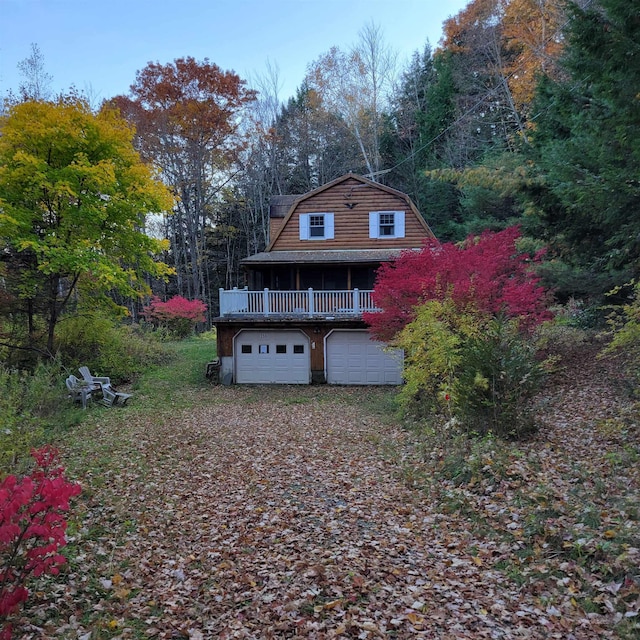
point(299, 319)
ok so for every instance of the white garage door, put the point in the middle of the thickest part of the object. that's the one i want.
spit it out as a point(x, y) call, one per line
point(352, 357)
point(264, 357)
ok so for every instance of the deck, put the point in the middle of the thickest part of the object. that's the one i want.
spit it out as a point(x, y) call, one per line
point(306, 303)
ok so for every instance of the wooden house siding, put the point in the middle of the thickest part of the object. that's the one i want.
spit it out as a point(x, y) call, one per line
point(350, 201)
point(274, 226)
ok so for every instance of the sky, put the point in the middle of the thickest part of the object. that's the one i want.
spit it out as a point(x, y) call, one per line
point(98, 45)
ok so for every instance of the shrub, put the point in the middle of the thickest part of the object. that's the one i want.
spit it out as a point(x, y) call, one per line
point(469, 369)
point(432, 345)
point(19, 431)
point(487, 272)
point(498, 375)
point(29, 400)
point(118, 351)
point(178, 315)
point(32, 529)
point(465, 314)
point(624, 330)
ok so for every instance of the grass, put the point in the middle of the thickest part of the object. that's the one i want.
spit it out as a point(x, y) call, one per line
point(184, 374)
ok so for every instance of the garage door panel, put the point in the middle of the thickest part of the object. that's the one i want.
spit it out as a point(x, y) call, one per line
point(272, 357)
point(353, 358)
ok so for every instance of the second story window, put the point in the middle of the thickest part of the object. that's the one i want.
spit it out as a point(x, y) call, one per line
point(387, 227)
point(386, 224)
point(316, 226)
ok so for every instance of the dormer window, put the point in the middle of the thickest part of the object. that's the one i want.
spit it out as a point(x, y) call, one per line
point(316, 226)
point(386, 224)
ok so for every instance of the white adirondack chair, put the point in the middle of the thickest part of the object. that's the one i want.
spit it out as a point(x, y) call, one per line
point(111, 398)
point(94, 381)
point(79, 390)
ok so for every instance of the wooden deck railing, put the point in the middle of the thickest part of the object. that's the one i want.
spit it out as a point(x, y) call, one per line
point(295, 303)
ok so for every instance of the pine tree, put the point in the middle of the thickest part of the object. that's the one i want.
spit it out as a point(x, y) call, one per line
point(587, 139)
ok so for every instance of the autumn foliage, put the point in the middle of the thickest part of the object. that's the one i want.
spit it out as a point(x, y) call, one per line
point(73, 191)
point(32, 528)
point(178, 315)
point(527, 31)
point(487, 273)
point(463, 315)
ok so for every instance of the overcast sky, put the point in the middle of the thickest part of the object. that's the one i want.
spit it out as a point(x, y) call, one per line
point(98, 45)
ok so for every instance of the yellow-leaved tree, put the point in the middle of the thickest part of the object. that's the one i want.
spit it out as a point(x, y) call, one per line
point(73, 199)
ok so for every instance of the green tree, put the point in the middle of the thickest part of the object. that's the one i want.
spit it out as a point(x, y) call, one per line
point(422, 112)
point(587, 140)
point(312, 147)
point(73, 199)
point(495, 193)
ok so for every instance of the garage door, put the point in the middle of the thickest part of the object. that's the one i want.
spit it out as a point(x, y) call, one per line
point(280, 357)
point(353, 358)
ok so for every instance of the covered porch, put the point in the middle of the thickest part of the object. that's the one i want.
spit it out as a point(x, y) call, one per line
point(326, 270)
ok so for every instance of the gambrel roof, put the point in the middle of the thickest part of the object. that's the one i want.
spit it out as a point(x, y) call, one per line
point(350, 188)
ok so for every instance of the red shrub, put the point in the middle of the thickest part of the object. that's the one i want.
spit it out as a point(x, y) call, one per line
point(485, 272)
point(32, 528)
point(178, 314)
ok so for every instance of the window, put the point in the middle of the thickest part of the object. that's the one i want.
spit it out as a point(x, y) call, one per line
point(386, 224)
point(281, 348)
point(316, 226)
point(298, 348)
point(263, 348)
point(387, 227)
point(246, 348)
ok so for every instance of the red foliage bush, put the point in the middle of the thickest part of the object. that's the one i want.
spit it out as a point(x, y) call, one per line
point(177, 314)
point(32, 528)
point(486, 273)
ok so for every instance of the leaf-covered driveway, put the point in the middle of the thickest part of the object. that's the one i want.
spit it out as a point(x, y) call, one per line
point(278, 513)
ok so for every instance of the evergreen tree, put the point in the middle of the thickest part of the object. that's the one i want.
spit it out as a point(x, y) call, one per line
point(415, 139)
point(587, 140)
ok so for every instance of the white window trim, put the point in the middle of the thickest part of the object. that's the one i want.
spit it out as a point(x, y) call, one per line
point(329, 228)
point(398, 224)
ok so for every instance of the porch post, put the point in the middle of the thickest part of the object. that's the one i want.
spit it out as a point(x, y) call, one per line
point(311, 305)
point(356, 301)
point(265, 302)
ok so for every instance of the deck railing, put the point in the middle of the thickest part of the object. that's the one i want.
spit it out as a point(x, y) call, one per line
point(295, 303)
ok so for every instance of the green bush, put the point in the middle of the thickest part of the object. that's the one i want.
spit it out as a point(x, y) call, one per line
point(624, 330)
point(119, 351)
point(29, 404)
point(468, 370)
point(497, 377)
